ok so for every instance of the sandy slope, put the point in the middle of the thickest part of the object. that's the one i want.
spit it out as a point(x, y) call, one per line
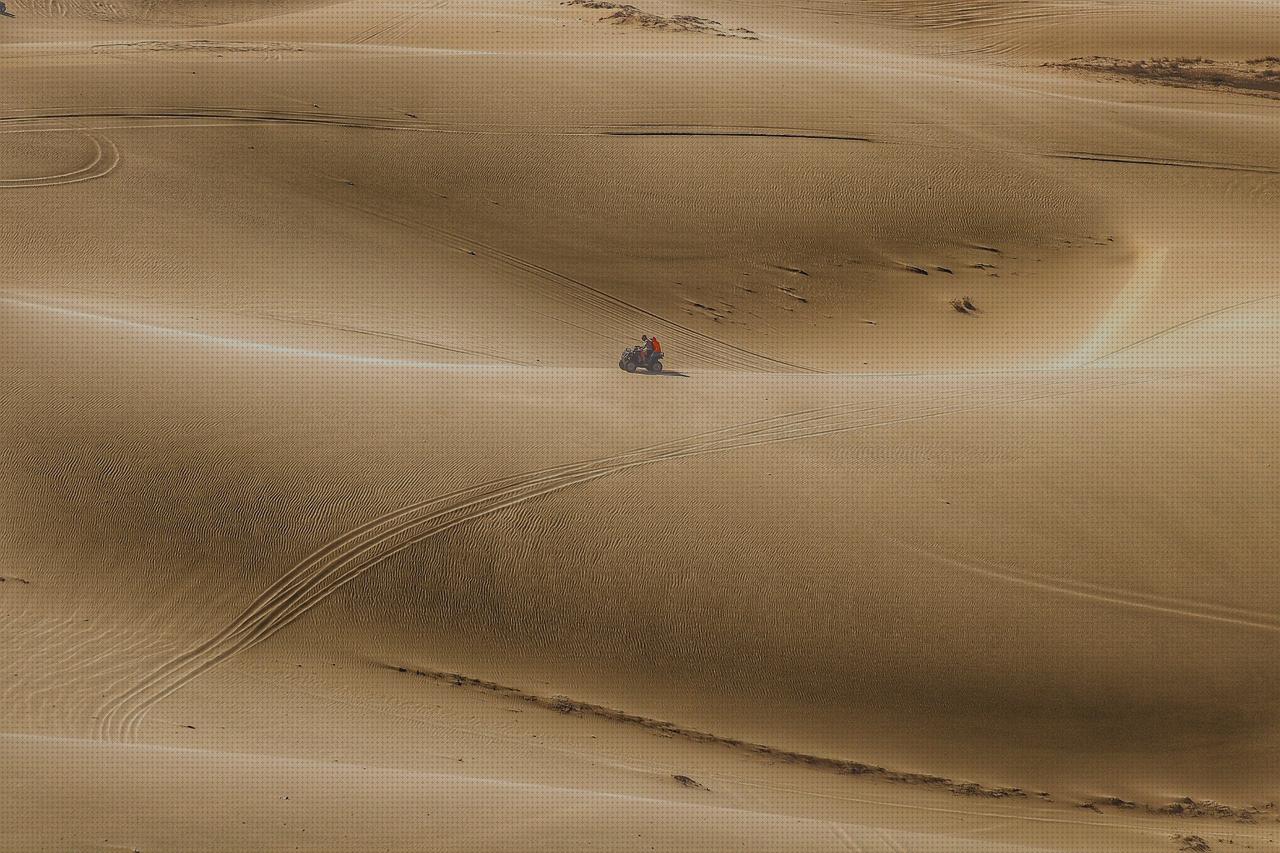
point(330, 524)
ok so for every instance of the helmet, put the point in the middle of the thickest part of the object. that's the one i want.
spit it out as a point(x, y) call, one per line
point(644, 337)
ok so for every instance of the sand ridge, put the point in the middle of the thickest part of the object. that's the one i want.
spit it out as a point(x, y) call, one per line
point(960, 466)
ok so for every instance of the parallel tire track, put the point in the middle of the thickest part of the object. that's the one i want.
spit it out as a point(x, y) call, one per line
point(1151, 602)
point(395, 25)
point(355, 552)
point(624, 314)
point(579, 295)
point(365, 122)
point(105, 160)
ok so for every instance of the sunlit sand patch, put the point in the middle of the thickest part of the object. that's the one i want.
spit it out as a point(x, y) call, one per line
point(1128, 303)
point(207, 339)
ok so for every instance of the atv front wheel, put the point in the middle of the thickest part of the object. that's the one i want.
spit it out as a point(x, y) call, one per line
point(629, 366)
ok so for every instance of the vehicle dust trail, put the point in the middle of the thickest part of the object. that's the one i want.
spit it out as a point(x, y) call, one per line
point(105, 159)
point(353, 553)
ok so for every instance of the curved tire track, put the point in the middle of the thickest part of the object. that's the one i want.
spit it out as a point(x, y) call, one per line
point(355, 552)
point(608, 306)
point(365, 122)
point(105, 160)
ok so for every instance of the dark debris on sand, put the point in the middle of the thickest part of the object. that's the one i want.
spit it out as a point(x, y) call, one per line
point(1259, 77)
point(687, 782)
point(1182, 807)
point(627, 15)
point(1192, 844)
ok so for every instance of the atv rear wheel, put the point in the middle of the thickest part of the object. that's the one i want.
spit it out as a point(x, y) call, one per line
point(656, 366)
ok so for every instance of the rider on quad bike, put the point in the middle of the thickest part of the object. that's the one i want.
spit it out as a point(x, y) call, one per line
point(647, 356)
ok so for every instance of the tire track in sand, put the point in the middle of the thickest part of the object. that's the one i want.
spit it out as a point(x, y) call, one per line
point(606, 306)
point(1184, 324)
point(395, 25)
point(233, 115)
point(106, 158)
point(1151, 602)
point(227, 114)
point(351, 554)
point(575, 292)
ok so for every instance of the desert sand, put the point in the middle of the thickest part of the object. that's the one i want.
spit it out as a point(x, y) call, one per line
point(331, 525)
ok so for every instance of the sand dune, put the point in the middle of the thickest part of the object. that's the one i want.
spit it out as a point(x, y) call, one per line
point(331, 525)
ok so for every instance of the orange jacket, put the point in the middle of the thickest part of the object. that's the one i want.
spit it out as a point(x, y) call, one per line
point(657, 347)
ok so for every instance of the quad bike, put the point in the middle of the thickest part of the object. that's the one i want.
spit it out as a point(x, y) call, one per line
point(635, 358)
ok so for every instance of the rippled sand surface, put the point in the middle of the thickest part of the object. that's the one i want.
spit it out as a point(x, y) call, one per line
point(331, 525)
